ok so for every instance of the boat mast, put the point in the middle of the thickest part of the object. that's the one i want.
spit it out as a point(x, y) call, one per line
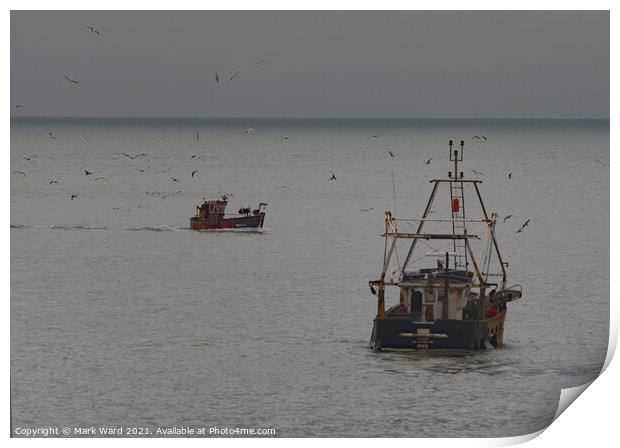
point(457, 204)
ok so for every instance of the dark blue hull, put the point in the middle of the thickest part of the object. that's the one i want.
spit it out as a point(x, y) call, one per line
point(404, 333)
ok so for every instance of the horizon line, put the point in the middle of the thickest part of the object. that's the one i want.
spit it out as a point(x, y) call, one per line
point(187, 117)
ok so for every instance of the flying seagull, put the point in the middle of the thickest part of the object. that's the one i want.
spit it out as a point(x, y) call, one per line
point(51, 136)
point(71, 81)
point(475, 136)
point(134, 157)
point(142, 170)
point(22, 173)
point(485, 139)
point(366, 209)
point(509, 175)
point(376, 135)
point(53, 181)
point(194, 172)
point(507, 218)
point(391, 153)
point(88, 172)
point(93, 30)
point(523, 226)
point(29, 158)
point(235, 75)
point(18, 106)
point(174, 179)
point(333, 177)
point(217, 78)
point(600, 162)
point(73, 196)
point(428, 162)
point(478, 172)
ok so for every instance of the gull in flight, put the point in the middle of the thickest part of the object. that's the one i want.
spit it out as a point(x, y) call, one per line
point(523, 226)
point(71, 81)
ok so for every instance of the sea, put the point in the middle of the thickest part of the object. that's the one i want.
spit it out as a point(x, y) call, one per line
point(121, 317)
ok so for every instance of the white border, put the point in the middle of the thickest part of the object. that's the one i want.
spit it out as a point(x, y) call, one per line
point(592, 419)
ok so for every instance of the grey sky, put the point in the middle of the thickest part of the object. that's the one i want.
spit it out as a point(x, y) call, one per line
point(316, 64)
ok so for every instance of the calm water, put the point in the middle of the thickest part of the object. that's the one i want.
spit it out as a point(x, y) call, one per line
point(121, 316)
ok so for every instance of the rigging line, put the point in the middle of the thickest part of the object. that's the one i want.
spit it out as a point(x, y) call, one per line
point(393, 194)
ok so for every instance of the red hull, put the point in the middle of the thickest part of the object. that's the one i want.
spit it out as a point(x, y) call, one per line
point(237, 222)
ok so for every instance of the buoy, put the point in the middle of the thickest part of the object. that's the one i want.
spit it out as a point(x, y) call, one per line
point(455, 205)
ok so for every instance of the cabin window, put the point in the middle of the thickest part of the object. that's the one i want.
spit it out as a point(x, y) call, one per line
point(416, 301)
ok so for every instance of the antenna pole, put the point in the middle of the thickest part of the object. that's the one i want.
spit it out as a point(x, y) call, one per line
point(393, 194)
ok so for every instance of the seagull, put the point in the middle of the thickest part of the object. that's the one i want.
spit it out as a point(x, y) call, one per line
point(71, 81)
point(391, 153)
point(286, 137)
point(130, 156)
point(235, 75)
point(376, 135)
point(88, 172)
point(428, 162)
point(197, 135)
point(142, 170)
point(523, 226)
point(194, 172)
point(93, 30)
point(22, 173)
point(100, 178)
point(174, 179)
point(29, 158)
point(478, 172)
point(475, 136)
point(164, 196)
point(509, 175)
point(333, 177)
point(249, 130)
point(366, 209)
point(17, 106)
point(53, 181)
point(73, 196)
point(485, 139)
point(217, 78)
point(600, 162)
point(196, 156)
point(507, 218)
point(51, 136)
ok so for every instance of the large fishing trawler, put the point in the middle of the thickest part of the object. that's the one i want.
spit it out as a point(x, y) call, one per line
point(456, 302)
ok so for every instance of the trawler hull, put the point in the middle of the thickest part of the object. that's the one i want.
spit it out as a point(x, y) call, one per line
point(402, 332)
point(237, 222)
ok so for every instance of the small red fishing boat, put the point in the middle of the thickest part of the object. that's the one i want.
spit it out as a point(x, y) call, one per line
point(210, 216)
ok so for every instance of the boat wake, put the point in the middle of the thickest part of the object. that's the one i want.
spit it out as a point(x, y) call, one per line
point(60, 227)
point(162, 228)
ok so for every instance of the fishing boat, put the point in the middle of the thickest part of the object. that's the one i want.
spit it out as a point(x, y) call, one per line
point(210, 216)
point(454, 300)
